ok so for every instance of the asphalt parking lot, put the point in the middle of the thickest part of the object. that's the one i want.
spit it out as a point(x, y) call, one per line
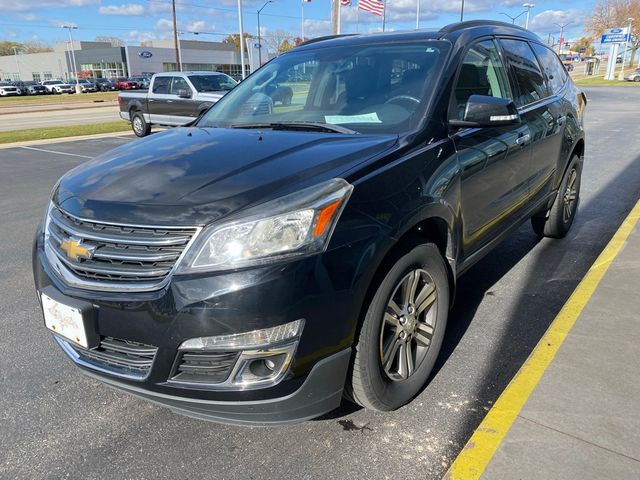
point(56, 423)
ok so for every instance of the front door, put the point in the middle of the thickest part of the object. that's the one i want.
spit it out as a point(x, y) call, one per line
point(494, 162)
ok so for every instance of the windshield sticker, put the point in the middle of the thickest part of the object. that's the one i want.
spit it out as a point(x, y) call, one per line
point(362, 118)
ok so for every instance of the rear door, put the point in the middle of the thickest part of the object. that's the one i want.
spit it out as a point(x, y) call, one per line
point(541, 110)
point(495, 162)
point(157, 98)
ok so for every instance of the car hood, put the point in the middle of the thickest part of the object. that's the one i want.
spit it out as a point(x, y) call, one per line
point(193, 176)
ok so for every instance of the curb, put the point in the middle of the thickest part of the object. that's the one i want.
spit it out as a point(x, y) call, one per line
point(50, 141)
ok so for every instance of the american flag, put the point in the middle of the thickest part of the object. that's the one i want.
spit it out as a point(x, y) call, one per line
point(374, 6)
point(345, 3)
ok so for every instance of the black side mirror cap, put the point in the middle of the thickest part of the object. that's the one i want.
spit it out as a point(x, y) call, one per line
point(485, 111)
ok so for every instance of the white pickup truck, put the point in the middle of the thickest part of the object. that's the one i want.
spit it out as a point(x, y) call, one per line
point(173, 99)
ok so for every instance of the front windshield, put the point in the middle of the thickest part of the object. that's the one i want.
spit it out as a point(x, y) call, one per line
point(366, 88)
point(212, 83)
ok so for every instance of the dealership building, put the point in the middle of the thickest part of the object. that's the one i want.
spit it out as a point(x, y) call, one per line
point(101, 60)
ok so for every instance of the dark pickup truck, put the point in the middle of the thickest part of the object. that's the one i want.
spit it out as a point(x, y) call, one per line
point(173, 99)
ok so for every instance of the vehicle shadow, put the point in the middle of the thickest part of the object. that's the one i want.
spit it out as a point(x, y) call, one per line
point(553, 274)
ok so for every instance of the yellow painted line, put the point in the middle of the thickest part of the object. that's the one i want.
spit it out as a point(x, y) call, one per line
point(477, 453)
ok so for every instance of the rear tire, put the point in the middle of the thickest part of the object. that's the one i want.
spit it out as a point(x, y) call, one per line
point(139, 125)
point(402, 331)
point(558, 220)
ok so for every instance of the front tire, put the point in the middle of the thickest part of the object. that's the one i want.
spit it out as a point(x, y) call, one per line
point(139, 125)
point(402, 331)
point(558, 220)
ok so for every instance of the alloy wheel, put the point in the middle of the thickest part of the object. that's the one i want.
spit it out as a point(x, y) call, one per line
point(570, 196)
point(408, 325)
point(137, 125)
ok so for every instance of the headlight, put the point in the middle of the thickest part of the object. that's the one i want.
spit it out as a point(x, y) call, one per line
point(295, 225)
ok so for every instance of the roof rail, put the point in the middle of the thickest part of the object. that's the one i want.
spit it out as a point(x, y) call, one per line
point(326, 37)
point(452, 27)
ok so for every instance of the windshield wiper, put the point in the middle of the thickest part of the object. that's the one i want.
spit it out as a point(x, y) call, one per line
point(313, 126)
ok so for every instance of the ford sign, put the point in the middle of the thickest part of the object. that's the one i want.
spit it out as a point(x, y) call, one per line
point(145, 54)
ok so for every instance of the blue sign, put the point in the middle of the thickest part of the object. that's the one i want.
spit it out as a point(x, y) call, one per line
point(615, 35)
point(145, 54)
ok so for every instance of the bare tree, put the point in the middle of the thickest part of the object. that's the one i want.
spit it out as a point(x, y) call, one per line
point(615, 13)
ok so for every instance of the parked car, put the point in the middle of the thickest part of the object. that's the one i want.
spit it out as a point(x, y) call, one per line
point(143, 82)
point(258, 264)
point(106, 85)
point(173, 99)
point(86, 86)
point(32, 88)
point(58, 86)
point(6, 89)
point(126, 83)
point(633, 76)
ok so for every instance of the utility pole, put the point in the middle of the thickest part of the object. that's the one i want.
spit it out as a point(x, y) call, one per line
point(241, 28)
point(73, 56)
point(528, 6)
point(175, 37)
point(462, 11)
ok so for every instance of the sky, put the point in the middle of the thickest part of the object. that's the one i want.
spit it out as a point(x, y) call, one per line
point(141, 20)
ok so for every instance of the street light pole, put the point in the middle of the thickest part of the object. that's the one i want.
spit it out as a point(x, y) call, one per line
point(241, 27)
point(513, 19)
point(73, 56)
point(561, 40)
point(260, 33)
point(462, 11)
point(626, 46)
point(528, 6)
point(15, 52)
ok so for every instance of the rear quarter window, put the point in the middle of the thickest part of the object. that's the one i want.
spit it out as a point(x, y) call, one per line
point(552, 66)
point(530, 82)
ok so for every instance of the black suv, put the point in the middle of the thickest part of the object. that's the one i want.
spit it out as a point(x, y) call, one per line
point(267, 260)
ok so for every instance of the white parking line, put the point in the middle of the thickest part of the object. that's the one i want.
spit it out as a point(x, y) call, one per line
point(53, 151)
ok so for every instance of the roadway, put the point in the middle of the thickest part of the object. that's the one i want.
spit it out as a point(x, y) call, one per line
point(57, 423)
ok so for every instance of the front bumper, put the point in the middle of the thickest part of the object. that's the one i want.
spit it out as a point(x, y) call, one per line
point(321, 290)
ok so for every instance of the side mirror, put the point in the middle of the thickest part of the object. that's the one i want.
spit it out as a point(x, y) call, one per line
point(486, 111)
point(184, 93)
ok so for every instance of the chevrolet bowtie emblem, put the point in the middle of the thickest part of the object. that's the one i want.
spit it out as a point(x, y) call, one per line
point(75, 250)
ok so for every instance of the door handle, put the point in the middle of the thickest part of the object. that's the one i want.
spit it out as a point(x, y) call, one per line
point(523, 138)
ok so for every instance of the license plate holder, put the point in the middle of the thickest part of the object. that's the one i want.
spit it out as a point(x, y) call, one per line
point(69, 318)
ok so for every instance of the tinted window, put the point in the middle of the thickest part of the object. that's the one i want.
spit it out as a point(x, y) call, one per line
point(527, 74)
point(553, 68)
point(161, 85)
point(482, 73)
point(178, 84)
point(212, 83)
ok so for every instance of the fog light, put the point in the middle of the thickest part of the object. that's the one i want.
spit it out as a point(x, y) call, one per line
point(265, 355)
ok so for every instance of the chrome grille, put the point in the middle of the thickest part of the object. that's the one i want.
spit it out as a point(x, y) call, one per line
point(141, 256)
point(121, 357)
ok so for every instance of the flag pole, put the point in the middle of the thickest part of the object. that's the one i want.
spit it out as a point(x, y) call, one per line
point(358, 19)
point(384, 14)
point(339, 15)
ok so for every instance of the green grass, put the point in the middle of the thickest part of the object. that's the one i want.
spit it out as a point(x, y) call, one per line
point(61, 132)
point(64, 98)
